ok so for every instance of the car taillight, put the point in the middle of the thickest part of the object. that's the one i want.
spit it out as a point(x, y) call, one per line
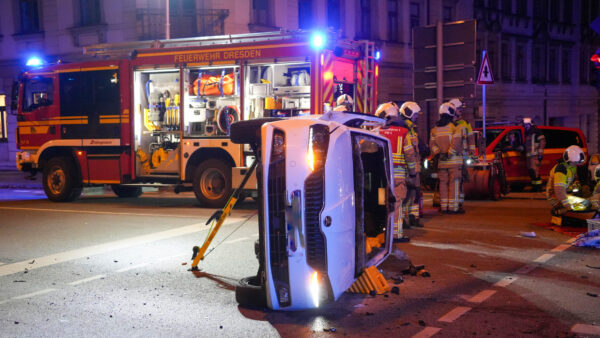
point(318, 142)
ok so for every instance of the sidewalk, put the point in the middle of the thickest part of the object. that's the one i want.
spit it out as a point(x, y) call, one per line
point(13, 179)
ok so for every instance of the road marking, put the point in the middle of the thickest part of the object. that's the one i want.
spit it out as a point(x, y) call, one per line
point(480, 297)
point(544, 258)
point(1, 263)
point(103, 212)
point(85, 280)
point(571, 240)
point(526, 269)
point(237, 240)
point(33, 294)
point(132, 267)
point(506, 281)
point(561, 248)
point(586, 329)
point(454, 314)
point(61, 257)
point(427, 332)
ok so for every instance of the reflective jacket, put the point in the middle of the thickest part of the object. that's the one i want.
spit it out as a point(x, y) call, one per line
point(559, 180)
point(595, 199)
point(414, 140)
point(468, 138)
point(444, 140)
point(403, 154)
point(535, 142)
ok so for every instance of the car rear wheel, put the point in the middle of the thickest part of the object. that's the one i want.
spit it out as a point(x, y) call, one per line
point(125, 191)
point(250, 293)
point(248, 131)
point(60, 180)
point(212, 183)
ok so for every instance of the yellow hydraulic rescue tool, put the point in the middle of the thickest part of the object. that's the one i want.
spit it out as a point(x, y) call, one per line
point(219, 217)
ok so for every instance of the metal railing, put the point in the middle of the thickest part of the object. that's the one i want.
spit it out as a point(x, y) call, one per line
point(204, 22)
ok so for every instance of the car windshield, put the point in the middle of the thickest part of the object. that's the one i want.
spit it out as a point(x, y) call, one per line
point(491, 135)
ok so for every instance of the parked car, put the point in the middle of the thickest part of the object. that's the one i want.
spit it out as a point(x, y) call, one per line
point(326, 196)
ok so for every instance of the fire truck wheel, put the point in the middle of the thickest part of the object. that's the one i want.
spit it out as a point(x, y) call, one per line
point(248, 131)
point(125, 191)
point(60, 180)
point(249, 293)
point(212, 183)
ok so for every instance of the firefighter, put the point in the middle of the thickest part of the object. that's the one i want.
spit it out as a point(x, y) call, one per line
point(443, 142)
point(595, 199)
point(409, 112)
point(467, 146)
point(344, 102)
point(535, 142)
point(396, 131)
point(561, 177)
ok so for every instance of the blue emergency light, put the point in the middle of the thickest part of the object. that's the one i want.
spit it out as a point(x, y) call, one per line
point(34, 61)
point(317, 41)
point(377, 55)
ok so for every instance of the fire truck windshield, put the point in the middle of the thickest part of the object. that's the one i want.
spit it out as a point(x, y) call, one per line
point(38, 93)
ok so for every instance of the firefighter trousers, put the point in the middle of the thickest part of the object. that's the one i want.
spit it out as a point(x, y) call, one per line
point(400, 193)
point(411, 202)
point(533, 166)
point(449, 187)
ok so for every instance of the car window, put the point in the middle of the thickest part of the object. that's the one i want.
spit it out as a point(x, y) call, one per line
point(491, 135)
point(556, 138)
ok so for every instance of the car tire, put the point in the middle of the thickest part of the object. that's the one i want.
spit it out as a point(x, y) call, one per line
point(212, 183)
point(248, 131)
point(60, 180)
point(125, 191)
point(250, 293)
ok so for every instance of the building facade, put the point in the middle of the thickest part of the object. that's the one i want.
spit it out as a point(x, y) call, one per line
point(539, 49)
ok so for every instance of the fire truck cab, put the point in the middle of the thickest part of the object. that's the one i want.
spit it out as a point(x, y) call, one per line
point(158, 112)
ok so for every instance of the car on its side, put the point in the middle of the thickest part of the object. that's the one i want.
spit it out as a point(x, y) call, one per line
point(325, 197)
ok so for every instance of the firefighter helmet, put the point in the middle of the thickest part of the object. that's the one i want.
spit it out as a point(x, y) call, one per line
point(527, 120)
point(456, 102)
point(409, 109)
point(447, 108)
point(574, 155)
point(387, 110)
point(344, 99)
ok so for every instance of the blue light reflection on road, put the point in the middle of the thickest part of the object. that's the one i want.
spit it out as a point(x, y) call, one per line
point(21, 194)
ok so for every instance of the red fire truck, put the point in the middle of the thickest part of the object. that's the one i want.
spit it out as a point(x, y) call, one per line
point(158, 112)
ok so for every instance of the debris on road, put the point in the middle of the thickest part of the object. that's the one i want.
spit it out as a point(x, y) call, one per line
point(530, 234)
point(418, 270)
point(396, 290)
point(422, 323)
point(184, 263)
point(593, 267)
point(590, 239)
point(592, 294)
point(19, 281)
point(33, 261)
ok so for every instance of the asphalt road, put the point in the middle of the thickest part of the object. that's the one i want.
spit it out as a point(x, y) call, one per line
point(103, 266)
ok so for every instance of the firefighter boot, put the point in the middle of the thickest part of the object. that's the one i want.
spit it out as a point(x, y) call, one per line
point(414, 221)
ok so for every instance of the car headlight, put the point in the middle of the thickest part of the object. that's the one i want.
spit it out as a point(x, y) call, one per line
point(426, 164)
point(318, 142)
point(315, 288)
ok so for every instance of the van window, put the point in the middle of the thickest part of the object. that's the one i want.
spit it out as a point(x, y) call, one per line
point(556, 138)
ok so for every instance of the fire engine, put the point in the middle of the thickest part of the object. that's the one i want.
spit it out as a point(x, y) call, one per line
point(158, 112)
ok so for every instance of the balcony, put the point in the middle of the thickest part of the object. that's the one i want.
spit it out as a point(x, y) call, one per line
point(204, 22)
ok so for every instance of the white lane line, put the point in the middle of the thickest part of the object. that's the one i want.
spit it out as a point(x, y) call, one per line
point(526, 269)
point(427, 332)
point(102, 212)
point(141, 265)
point(133, 267)
point(1, 263)
point(85, 280)
point(454, 314)
point(544, 258)
point(480, 297)
point(506, 281)
point(586, 329)
point(61, 257)
point(571, 240)
point(561, 248)
point(237, 240)
point(33, 294)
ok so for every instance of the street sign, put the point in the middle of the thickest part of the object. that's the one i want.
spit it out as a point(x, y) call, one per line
point(486, 76)
point(458, 61)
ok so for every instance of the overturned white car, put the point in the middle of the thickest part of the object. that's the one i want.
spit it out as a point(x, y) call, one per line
point(326, 195)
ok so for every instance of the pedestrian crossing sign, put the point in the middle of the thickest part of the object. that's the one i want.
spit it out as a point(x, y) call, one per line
point(485, 72)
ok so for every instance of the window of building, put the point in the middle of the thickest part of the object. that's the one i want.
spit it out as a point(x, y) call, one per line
point(521, 7)
point(566, 65)
point(333, 14)
point(585, 11)
point(553, 65)
point(183, 18)
point(393, 34)
point(29, 16)
point(447, 13)
point(539, 64)
point(554, 10)
point(492, 54)
point(506, 62)
point(584, 65)
point(415, 16)
point(365, 19)
point(521, 63)
point(567, 12)
point(89, 12)
point(493, 4)
point(539, 9)
point(3, 123)
point(305, 14)
point(261, 12)
point(507, 6)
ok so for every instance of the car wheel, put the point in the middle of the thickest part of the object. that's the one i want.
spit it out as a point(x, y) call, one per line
point(212, 183)
point(250, 293)
point(248, 131)
point(60, 180)
point(125, 191)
